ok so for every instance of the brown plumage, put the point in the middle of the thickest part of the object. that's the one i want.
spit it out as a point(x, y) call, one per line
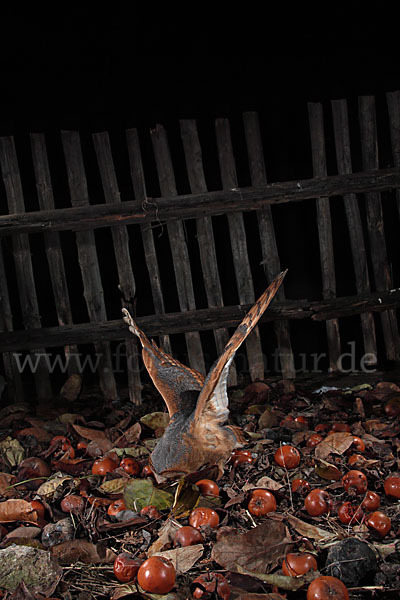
point(197, 434)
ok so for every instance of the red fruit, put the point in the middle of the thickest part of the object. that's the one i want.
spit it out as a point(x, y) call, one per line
point(39, 507)
point(379, 523)
point(298, 563)
point(208, 487)
point(336, 427)
point(126, 567)
point(355, 459)
point(214, 584)
point(147, 471)
point(302, 420)
point(104, 465)
point(287, 456)
point(32, 468)
point(203, 516)
point(355, 482)
point(301, 486)
point(314, 440)
point(317, 502)
point(150, 511)
point(130, 465)
point(371, 501)
point(73, 503)
point(116, 507)
point(358, 444)
point(392, 407)
point(188, 536)
point(321, 427)
point(261, 503)
point(240, 457)
point(157, 575)
point(349, 514)
point(82, 445)
point(392, 487)
point(327, 588)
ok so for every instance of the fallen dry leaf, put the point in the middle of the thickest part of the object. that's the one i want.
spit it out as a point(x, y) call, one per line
point(310, 531)
point(130, 436)
point(336, 443)
point(259, 549)
point(263, 482)
point(165, 536)
point(68, 553)
point(6, 480)
point(183, 559)
point(94, 435)
point(40, 434)
point(17, 510)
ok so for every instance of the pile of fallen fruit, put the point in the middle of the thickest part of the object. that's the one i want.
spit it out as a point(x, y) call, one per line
point(309, 508)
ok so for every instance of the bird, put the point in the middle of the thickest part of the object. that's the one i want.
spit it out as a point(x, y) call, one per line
point(197, 435)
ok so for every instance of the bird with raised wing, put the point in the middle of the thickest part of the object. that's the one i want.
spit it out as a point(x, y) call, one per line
point(197, 434)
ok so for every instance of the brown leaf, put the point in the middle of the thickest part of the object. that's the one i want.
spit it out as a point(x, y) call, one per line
point(94, 435)
point(259, 549)
point(267, 419)
point(130, 436)
point(40, 434)
point(17, 510)
point(336, 443)
point(23, 532)
point(184, 558)
point(310, 531)
point(263, 482)
point(327, 471)
point(71, 388)
point(82, 550)
point(165, 536)
point(6, 479)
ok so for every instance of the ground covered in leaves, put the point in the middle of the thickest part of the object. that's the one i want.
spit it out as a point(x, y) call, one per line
point(62, 548)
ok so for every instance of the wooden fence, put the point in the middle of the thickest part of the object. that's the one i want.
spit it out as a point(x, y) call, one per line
point(137, 220)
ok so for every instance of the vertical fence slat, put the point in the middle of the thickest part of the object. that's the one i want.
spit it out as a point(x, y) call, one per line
point(23, 261)
point(52, 242)
point(179, 248)
point(14, 383)
point(369, 148)
point(393, 100)
point(324, 229)
point(139, 188)
point(269, 248)
point(122, 256)
point(244, 279)
point(352, 210)
point(205, 235)
point(87, 256)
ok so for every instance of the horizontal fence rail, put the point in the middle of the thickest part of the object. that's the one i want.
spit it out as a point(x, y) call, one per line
point(193, 206)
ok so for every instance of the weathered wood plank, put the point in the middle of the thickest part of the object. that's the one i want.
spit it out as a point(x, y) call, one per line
point(205, 235)
point(87, 256)
point(324, 229)
point(22, 258)
point(122, 256)
point(179, 250)
point(200, 320)
point(369, 148)
point(237, 233)
point(139, 188)
point(15, 390)
point(192, 206)
point(393, 101)
point(269, 248)
point(52, 243)
point(354, 223)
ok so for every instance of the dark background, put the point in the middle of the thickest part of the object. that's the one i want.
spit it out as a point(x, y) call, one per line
point(97, 70)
